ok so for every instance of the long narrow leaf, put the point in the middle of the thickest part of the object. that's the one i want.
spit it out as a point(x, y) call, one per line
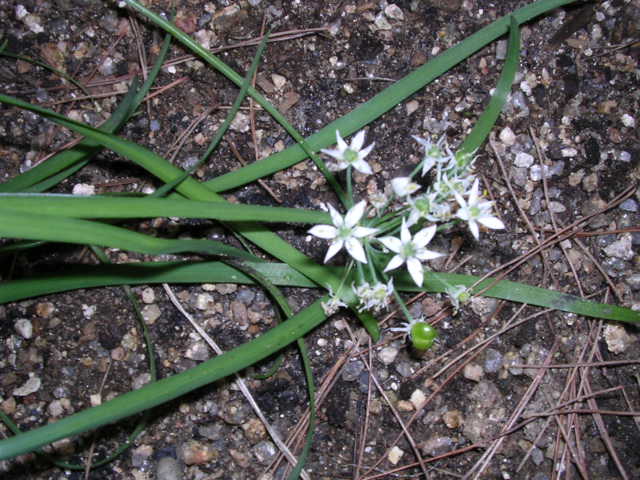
point(32, 226)
point(119, 207)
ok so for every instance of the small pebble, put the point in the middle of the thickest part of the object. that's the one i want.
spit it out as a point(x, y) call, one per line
point(381, 22)
point(84, 189)
point(473, 371)
point(436, 445)
point(404, 369)
point(628, 120)
point(387, 355)
point(523, 160)
point(452, 418)
point(629, 205)
point(151, 313)
point(32, 385)
point(197, 453)
point(395, 454)
point(199, 351)
point(492, 361)
point(621, 248)
point(417, 398)
point(264, 452)
point(352, 370)
point(507, 136)
point(203, 301)
point(148, 295)
point(24, 327)
point(617, 338)
point(404, 406)
point(394, 12)
point(140, 381)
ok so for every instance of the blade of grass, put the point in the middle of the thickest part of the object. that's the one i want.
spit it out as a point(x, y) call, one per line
point(122, 207)
point(83, 276)
point(487, 120)
point(71, 230)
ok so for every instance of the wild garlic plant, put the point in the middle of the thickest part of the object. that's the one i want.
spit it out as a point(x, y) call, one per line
point(392, 230)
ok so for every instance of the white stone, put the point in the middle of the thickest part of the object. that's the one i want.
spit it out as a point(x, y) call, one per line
point(203, 301)
point(473, 372)
point(523, 160)
point(278, 81)
point(621, 248)
point(151, 313)
point(507, 136)
point(417, 398)
point(628, 120)
point(84, 189)
point(387, 355)
point(24, 327)
point(241, 123)
point(148, 295)
point(395, 454)
point(30, 386)
point(381, 22)
point(394, 11)
point(617, 338)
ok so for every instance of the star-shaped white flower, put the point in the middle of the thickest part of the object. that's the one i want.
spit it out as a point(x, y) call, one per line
point(474, 211)
point(404, 186)
point(351, 155)
point(411, 250)
point(345, 232)
point(435, 153)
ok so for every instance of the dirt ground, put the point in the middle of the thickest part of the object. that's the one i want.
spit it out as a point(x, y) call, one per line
point(480, 414)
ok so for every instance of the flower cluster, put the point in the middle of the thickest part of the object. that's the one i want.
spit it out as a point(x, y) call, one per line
point(397, 227)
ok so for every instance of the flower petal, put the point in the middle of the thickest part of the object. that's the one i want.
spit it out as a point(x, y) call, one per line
point(328, 232)
point(336, 218)
point(491, 222)
point(405, 234)
point(395, 262)
point(354, 247)
point(425, 254)
point(415, 270)
point(392, 243)
point(360, 232)
point(342, 145)
point(362, 166)
point(337, 154)
point(473, 193)
point(363, 153)
point(334, 248)
point(473, 226)
point(354, 214)
point(424, 236)
point(357, 141)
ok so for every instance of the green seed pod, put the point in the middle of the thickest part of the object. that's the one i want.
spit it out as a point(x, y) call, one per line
point(422, 336)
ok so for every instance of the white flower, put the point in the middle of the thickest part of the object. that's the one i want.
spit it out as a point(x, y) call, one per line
point(378, 201)
point(376, 297)
point(345, 232)
point(434, 153)
point(351, 155)
point(473, 211)
point(421, 207)
point(411, 250)
point(333, 305)
point(458, 294)
point(403, 186)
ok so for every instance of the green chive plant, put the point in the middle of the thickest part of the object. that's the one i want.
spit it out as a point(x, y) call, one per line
point(383, 235)
point(370, 230)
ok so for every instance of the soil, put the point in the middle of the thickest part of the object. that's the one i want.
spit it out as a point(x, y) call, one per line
point(576, 96)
